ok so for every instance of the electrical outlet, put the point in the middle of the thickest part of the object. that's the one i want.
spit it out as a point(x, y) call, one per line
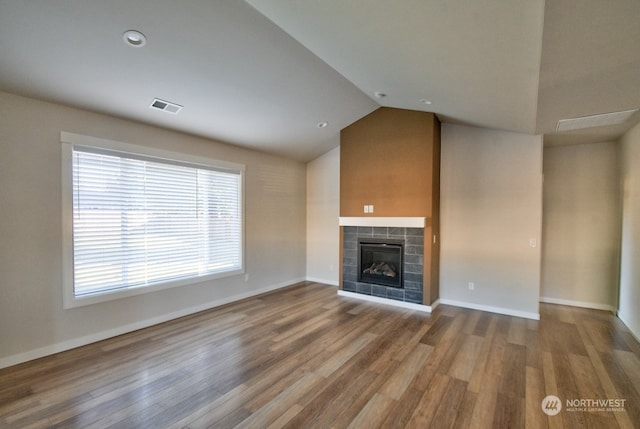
point(472, 286)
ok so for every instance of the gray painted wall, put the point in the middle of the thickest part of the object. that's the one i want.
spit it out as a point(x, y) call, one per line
point(581, 225)
point(323, 210)
point(629, 310)
point(32, 320)
point(491, 209)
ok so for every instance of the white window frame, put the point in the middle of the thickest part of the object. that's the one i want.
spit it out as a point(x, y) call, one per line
point(69, 141)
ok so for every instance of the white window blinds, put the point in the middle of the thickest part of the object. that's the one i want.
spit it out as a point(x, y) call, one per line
point(140, 221)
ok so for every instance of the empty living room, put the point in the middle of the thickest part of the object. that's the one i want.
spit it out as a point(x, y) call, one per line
point(277, 213)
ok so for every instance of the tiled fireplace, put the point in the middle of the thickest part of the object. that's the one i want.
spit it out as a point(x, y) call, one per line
point(390, 190)
point(390, 277)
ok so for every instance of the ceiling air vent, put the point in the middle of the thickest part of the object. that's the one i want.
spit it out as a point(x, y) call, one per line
point(166, 106)
point(605, 119)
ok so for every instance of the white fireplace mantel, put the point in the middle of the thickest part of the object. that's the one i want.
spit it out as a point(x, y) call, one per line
point(396, 222)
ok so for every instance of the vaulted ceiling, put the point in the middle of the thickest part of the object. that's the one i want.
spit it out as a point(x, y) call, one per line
point(264, 73)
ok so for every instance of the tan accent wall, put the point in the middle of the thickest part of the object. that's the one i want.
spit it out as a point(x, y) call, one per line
point(391, 159)
point(386, 161)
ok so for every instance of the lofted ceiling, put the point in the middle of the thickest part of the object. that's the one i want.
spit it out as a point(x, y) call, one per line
point(264, 73)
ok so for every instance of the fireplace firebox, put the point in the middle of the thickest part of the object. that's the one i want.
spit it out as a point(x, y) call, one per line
point(380, 262)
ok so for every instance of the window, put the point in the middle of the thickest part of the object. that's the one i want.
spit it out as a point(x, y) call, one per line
point(144, 219)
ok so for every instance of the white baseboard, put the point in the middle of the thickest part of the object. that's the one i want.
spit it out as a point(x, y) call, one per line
point(623, 318)
point(99, 336)
point(323, 281)
point(490, 309)
point(572, 303)
point(393, 302)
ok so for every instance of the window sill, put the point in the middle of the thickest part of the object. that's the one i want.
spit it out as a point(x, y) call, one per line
point(72, 301)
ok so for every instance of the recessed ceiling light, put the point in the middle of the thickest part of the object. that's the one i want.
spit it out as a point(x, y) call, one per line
point(379, 94)
point(322, 124)
point(134, 38)
point(425, 101)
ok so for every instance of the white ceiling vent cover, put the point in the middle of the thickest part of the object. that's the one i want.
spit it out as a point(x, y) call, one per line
point(166, 106)
point(602, 120)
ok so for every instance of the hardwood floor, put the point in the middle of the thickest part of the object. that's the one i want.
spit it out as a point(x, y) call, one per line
point(305, 358)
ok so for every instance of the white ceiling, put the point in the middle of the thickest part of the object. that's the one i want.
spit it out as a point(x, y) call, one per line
point(477, 62)
point(264, 73)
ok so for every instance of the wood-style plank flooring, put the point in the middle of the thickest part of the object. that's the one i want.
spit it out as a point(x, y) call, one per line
point(303, 357)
